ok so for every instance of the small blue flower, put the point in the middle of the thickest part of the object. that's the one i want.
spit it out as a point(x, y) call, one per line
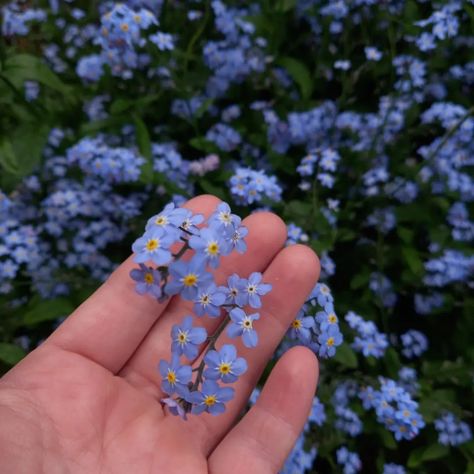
point(211, 245)
point(190, 223)
point(209, 300)
point(414, 343)
point(186, 338)
point(224, 364)
point(451, 430)
point(349, 460)
point(252, 290)
point(169, 219)
point(188, 277)
point(211, 398)
point(164, 41)
point(153, 245)
point(237, 239)
point(327, 317)
point(372, 53)
point(175, 376)
point(242, 325)
point(322, 293)
point(393, 469)
point(222, 219)
point(301, 327)
point(175, 407)
point(235, 286)
point(329, 340)
point(318, 414)
point(148, 280)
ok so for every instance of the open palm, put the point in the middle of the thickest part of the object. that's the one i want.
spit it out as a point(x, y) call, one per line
point(87, 399)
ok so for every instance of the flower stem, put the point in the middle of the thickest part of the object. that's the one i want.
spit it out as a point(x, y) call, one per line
point(211, 347)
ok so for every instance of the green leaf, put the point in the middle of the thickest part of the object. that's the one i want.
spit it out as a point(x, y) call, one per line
point(144, 145)
point(346, 356)
point(431, 453)
point(11, 353)
point(300, 74)
point(8, 159)
point(22, 67)
point(143, 137)
point(413, 260)
point(121, 105)
point(360, 280)
point(405, 234)
point(202, 144)
point(285, 5)
point(298, 209)
point(47, 310)
point(211, 188)
point(388, 439)
point(392, 362)
point(28, 142)
point(470, 11)
point(203, 108)
point(22, 151)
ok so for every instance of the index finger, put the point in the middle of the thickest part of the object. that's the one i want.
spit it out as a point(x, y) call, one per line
point(109, 326)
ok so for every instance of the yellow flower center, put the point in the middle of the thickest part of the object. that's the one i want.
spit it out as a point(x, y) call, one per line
point(171, 377)
point(161, 220)
point(210, 400)
point(137, 18)
point(105, 31)
point(152, 244)
point(190, 279)
point(224, 368)
point(225, 216)
point(330, 342)
point(296, 324)
point(149, 278)
point(213, 248)
point(124, 27)
point(182, 337)
point(332, 318)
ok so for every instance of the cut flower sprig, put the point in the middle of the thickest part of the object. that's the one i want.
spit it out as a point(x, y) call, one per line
point(164, 273)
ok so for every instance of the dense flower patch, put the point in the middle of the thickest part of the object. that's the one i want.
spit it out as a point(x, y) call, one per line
point(353, 120)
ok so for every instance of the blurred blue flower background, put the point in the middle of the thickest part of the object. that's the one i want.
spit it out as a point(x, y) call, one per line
point(351, 119)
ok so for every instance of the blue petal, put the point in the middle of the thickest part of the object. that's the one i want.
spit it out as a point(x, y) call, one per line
point(228, 352)
point(234, 330)
point(225, 394)
point(239, 366)
point(250, 338)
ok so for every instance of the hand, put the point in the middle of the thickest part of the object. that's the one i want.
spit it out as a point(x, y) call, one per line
point(88, 399)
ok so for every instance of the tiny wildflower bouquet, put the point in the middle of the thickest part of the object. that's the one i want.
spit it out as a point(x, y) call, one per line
point(180, 256)
point(353, 120)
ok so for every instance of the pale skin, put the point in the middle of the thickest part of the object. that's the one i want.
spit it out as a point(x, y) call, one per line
point(88, 399)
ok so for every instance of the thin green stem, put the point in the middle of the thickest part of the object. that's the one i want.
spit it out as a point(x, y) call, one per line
point(195, 38)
